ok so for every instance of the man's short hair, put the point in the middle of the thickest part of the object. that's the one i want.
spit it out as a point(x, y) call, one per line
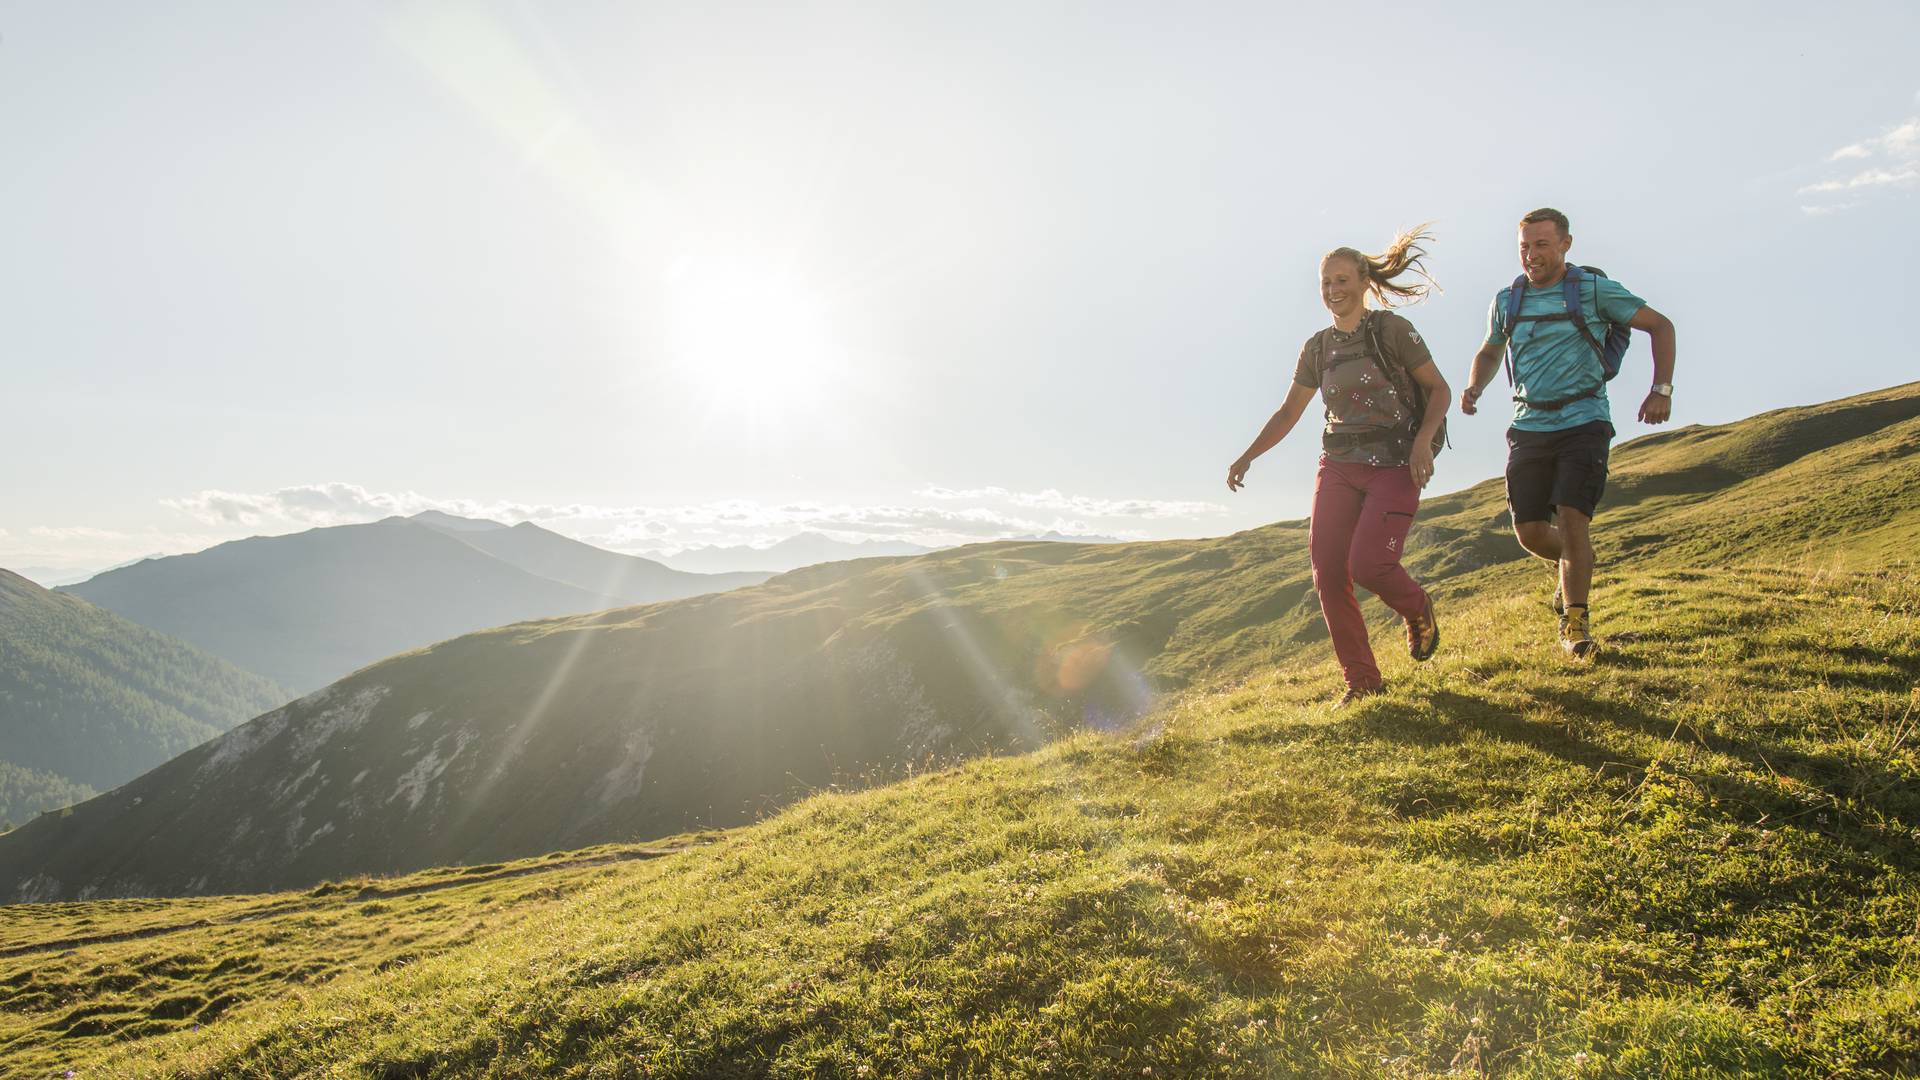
point(1548, 213)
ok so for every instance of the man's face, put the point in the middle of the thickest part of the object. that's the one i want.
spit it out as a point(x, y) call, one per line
point(1543, 252)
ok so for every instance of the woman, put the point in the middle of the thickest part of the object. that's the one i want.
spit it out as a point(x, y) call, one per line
point(1377, 448)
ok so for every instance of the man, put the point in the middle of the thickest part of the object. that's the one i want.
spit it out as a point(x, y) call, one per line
point(1562, 423)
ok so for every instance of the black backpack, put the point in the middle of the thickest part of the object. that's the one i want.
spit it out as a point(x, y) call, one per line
point(1405, 386)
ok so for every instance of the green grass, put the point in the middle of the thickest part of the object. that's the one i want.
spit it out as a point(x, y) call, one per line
point(1699, 856)
point(715, 711)
point(76, 975)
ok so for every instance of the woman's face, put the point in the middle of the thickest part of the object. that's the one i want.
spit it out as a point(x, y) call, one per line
point(1343, 288)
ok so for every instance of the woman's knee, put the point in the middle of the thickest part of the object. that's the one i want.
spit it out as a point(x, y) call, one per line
point(1330, 569)
point(1373, 575)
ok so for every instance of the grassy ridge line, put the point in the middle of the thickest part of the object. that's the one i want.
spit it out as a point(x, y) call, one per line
point(1697, 858)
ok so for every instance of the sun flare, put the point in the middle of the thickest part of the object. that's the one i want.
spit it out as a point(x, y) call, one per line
point(751, 340)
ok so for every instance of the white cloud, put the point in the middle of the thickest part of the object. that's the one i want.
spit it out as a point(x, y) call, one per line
point(1897, 153)
point(1052, 499)
point(998, 513)
point(1900, 142)
point(73, 532)
point(1870, 178)
point(308, 504)
point(85, 548)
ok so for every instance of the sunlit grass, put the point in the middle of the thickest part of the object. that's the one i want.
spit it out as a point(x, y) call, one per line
point(1696, 857)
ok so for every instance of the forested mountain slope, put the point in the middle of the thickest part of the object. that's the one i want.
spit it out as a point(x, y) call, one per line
point(89, 700)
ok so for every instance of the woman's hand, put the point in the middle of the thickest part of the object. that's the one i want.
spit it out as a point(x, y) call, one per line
point(1420, 462)
point(1237, 474)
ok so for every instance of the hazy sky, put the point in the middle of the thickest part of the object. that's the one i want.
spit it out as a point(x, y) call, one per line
point(660, 275)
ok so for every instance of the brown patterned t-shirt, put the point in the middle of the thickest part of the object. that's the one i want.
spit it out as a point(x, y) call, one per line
point(1366, 420)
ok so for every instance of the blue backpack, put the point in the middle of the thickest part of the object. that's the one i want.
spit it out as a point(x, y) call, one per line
point(1619, 335)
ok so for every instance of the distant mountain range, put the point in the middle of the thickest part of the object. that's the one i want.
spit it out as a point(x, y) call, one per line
point(812, 549)
point(48, 577)
point(801, 549)
point(308, 608)
point(649, 721)
point(89, 700)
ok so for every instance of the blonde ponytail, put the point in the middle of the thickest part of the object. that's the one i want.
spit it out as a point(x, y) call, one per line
point(1403, 256)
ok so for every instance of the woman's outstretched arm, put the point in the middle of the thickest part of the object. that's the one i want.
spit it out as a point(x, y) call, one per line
point(1277, 427)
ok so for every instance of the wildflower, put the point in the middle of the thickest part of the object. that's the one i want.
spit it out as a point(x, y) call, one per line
point(1580, 1058)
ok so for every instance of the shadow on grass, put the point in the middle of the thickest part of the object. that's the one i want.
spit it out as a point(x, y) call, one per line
point(1881, 790)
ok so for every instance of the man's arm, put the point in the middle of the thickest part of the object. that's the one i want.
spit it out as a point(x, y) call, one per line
point(1485, 363)
point(1276, 429)
point(1658, 407)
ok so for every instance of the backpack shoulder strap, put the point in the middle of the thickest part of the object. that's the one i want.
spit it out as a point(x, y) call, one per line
point(1390, 365)
point(1371, 324)
point(1316, 351)
point(1570, 288)
point(1577, 308)
point(1516, 295)
point(1317, 344)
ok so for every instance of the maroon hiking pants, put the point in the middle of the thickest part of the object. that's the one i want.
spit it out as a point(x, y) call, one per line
point(1361, 514)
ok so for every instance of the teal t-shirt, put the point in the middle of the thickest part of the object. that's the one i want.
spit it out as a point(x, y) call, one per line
point(1552, 359)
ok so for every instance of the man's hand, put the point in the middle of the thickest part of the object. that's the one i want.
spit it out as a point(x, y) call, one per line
point(1237, 474)
point(1469, 399)
point(1421, 462)
point(1656, 409)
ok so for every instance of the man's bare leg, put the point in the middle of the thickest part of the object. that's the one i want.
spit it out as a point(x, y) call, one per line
point(1576, 576)
point(1575, 544)
point(1540, 539)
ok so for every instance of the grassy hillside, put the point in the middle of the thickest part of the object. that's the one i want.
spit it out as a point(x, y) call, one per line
point(707, 712)
point(89, 700)
point(1699, 856)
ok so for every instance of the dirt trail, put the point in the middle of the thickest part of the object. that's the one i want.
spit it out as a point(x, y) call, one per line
point(344, 898)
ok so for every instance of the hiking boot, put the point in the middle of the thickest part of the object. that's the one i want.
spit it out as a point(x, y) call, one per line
point(1559, 601)
point(1575, 638)
point(1355, 693)
point(1423, 634)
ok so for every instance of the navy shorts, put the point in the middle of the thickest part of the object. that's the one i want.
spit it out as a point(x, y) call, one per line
point(1546, 469)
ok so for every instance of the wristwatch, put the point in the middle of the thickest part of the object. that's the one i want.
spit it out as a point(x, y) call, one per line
point(1664, 389)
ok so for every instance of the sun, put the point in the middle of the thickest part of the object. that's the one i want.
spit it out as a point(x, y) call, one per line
point(751, 340)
